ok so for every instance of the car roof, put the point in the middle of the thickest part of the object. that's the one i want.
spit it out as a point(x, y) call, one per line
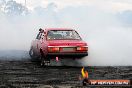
point(49, 29)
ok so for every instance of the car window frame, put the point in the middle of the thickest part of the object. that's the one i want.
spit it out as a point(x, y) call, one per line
point(39, 36)
point(62, 39)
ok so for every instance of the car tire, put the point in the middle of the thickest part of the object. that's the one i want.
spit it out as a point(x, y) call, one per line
point(32, 55)
point(44, 61)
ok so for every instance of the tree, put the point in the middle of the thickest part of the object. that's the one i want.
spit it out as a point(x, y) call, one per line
point(2, 3)
point(14, 8)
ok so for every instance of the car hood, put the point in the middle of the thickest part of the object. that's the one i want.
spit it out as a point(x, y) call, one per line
point(66, 43)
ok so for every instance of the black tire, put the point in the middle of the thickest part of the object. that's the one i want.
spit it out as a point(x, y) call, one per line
point(44, 61)
point(32, 55)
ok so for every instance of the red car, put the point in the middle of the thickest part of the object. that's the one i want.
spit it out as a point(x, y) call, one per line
point(57, 43)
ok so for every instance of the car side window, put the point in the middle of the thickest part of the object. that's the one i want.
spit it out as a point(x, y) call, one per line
point(39, 35)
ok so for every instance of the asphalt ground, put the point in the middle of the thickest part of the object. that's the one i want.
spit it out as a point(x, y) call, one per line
point(27, 74)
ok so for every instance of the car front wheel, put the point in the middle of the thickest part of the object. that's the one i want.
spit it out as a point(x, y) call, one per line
point(32, 55)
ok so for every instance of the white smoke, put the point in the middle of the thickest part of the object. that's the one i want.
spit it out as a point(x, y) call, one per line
point(110, 47)
point(109, 42)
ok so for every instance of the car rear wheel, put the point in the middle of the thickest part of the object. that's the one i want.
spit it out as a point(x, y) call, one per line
point(45, 61)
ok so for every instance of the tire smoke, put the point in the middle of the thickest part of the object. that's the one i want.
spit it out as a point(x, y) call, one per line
point(110, 43)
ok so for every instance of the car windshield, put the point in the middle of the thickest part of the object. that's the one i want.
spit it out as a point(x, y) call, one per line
point(63, 35)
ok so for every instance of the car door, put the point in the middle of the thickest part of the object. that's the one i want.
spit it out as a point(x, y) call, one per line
point(36, 44)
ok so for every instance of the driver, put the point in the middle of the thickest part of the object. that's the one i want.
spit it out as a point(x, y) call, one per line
point(68, 35)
